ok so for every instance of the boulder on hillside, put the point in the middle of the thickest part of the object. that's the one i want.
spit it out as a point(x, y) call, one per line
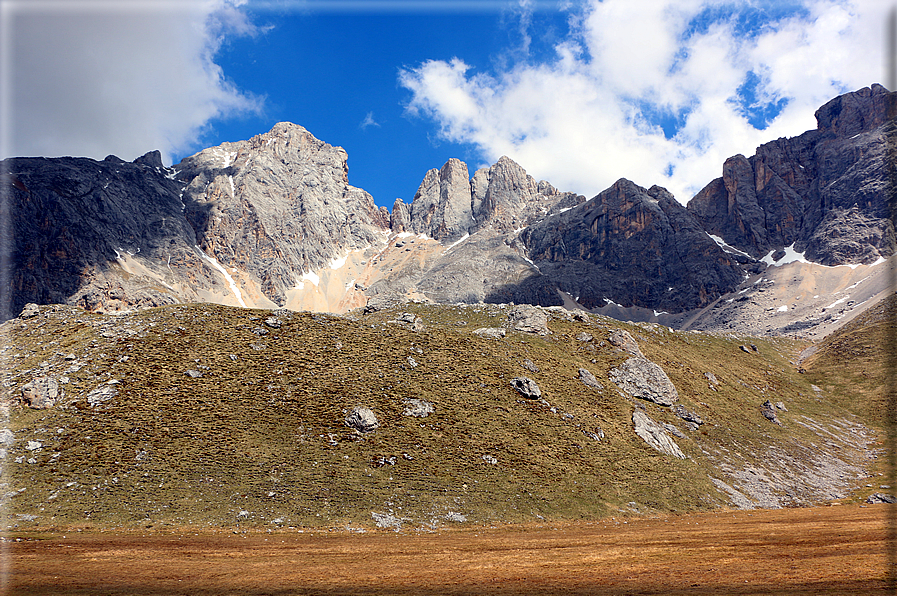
point(687, 415)
point(529, 319)
point(41, 393)
point(589, 379)
point(655, 435)
point(624, 341)
point(526, 387)
point(769, 412)
point(490, 332)
point(417, 408)
point(641, 378)
point(103, 393)
point(29, 311)
point(362, 419)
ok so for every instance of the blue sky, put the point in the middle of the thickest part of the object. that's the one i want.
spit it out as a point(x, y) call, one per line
point(579, 92)
point(349, 93)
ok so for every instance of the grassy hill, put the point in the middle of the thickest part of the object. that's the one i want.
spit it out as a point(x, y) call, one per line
point(259, 439)
point(853, 362)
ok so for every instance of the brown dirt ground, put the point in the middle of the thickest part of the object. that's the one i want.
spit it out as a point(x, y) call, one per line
point(823, 550)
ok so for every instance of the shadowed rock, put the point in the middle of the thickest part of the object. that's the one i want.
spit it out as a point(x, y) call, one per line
point(526, 387)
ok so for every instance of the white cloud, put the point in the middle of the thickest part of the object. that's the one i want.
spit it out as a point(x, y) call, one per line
point(595, 113)
point(96, 77)
point(368, 121)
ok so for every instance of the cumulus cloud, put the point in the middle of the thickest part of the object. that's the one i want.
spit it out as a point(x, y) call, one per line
point(661, 92)
point(92, 78)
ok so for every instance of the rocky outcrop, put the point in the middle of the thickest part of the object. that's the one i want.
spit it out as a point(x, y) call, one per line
point(441, 207)
point(635, 247)
point(655, 434)
point(823, 191)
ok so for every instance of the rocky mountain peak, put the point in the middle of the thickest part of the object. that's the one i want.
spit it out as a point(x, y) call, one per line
point(633, 246)
point(441, 207)
point(250, 202)
point(799, 192)
point(152, 159)
point(855, 112)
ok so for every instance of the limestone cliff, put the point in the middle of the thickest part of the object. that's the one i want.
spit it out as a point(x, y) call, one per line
point(277, 206)
point(823, 191)
point(634, 247)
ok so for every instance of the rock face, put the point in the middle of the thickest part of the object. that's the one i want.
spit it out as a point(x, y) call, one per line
point(632, 246)
point(261, 222)
point(77, 222)
point(110, 235)
point(277, 206)
point(823, 192)
point(442, 208)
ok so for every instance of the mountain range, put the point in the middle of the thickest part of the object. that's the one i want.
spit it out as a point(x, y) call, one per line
point(273, 222)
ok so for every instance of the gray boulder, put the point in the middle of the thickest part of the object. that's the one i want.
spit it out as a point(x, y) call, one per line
point(589, 379)
point(624, 341)
point(641, 378)
point(101, 394)
point(655, 435)
point(417, 408)
point(490, 332)
point(881, 498)
point(529, 319)
point(526, 387)
point(41, 393)
point(362, 419)
point(769, 412)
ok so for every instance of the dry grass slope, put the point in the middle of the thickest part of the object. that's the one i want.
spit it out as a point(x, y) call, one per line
point(259, 439)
